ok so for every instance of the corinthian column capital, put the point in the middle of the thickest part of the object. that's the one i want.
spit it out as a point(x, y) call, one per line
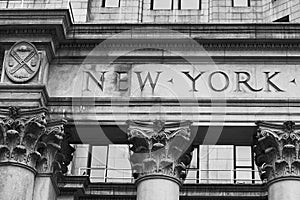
point(276, 149)
point(26, 138)
point(160, 148)
point(56, 153)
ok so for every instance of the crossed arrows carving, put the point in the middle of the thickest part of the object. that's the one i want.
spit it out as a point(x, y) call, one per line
point(22, 62)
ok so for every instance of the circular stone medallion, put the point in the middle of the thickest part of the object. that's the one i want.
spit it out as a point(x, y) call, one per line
point(22, 62)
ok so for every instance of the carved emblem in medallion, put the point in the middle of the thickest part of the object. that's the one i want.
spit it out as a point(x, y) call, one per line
point(22, 62)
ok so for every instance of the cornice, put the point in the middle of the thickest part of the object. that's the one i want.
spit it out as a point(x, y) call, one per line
point(192, 29)
point(26, 88)
point(36, 19)
point(217, 44)
point(58, 24)
point(31, 23)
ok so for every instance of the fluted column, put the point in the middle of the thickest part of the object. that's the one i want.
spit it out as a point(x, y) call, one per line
point(160, 155)
point(276, 149)
point(29, 147)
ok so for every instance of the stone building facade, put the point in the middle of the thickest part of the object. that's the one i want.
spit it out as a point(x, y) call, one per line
point(149, 99)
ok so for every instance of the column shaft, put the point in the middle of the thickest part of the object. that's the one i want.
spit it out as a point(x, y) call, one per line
point(16, 182)
point(286, 189)
point(44, 188)
point(158, 187)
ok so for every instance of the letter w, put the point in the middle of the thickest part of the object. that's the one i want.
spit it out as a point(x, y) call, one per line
point(148, 77)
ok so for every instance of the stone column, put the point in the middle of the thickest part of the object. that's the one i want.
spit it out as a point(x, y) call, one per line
point(28, 146)
point(18, 152)
point(276, 149)
point(160, 155)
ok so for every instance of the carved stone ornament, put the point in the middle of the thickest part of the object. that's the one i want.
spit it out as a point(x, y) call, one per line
point(159, 148)
point(22, 62)
point(56, 153)
point(276, 149)
point(30, 141)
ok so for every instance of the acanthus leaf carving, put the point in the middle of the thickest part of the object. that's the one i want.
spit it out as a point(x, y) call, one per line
point(31, 141)
point(276, 149)
point(49, 146)
point(156, 148)
point(19, 136)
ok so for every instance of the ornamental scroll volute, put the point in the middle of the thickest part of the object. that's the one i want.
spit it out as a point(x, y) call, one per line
point(276, 149)
point(22, 62)
point(158, 148)
point(29, 140)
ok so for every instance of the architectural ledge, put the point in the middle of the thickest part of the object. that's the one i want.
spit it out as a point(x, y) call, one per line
point(58, 25)
point(33, 95)
point(85, 190)
point(224, 191)
point(51, 18)
point(73, 185)
point(52, 25)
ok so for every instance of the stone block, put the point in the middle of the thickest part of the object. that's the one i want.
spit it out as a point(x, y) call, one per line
point(76, 5)
point(84, 5)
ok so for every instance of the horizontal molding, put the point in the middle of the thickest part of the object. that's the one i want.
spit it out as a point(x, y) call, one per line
point(245, 43)
point(150, 100)
point(126, 191)
point(66, 34)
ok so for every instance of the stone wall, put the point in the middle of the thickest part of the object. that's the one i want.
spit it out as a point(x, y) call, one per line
point(275, 9)
point(128, 12)
point(175, 15)
point(80, 10)
point(223, 11)
point(35, 4)
point(140, 11)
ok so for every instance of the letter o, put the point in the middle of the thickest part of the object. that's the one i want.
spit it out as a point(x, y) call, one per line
point(226, 79)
